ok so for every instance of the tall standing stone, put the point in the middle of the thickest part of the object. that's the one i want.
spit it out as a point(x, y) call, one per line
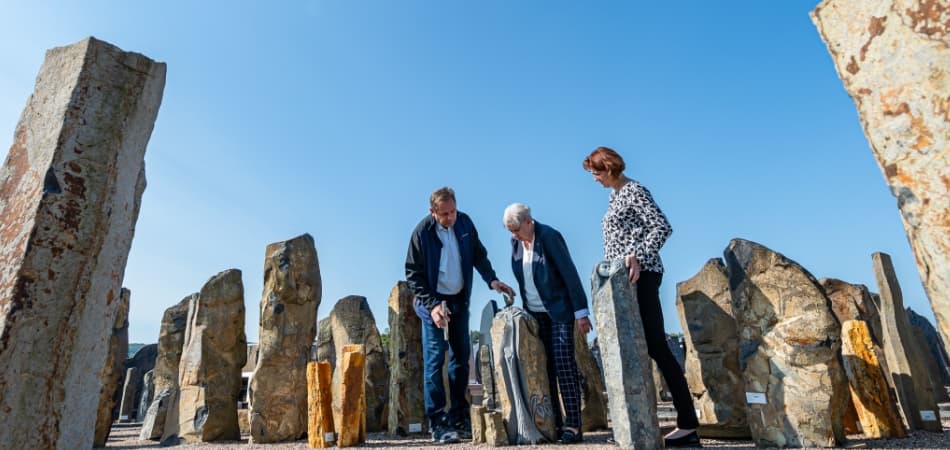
point(171, 336)
point(915, 394)
point(145, 396)
point(631, 396)
point(704, 304)
point(352, 322)
point(214, 351)
point(112, 372)
point(406, 402)
point(593, 400)
point(325, 349)
point(789, 346)
point(869, 389)
point(894, 59)
point(933, 343)
point(853, 302)
point(70, 191)
point(292, 293)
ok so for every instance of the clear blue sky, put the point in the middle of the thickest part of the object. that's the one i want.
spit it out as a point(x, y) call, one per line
point(338, 118)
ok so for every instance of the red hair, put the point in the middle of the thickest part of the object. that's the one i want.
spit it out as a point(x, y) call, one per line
point(604, 159)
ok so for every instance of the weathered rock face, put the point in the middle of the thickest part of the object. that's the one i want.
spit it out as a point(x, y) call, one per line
point(627, 365)
point(112, 372)
point(143, 361)
point(913, 389)
point(522, 379)
point(487, 371)
point(129, 394)
point(593, 401)
point(938, 352)
point(406, 402)
point(352, 322)
point(145, 397)
point(853, 302)
point(704, 304)
point(214, 351)
point(70, 191)
point(894, 59)
point(292, 293)
point(325, 349)
point(155, 415)
point(171, 338)
point(789, 342)
point(869, 389)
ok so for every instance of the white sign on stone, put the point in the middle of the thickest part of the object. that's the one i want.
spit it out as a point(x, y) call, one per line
point(928, 416)
point(755, 398)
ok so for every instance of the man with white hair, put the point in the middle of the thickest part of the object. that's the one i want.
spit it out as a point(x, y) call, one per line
point(552, 292)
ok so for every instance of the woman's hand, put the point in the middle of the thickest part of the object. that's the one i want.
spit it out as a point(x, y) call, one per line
point(583, 325)
point(633, 266)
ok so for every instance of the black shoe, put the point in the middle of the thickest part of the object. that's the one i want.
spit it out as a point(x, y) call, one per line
point(570, 437)
point(444, 434)
point(463, 426)
point(689, 440)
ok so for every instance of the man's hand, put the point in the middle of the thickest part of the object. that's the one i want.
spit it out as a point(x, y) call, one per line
point(583, 325)
point(440, 317)
point(634, 267)
point(498, 286)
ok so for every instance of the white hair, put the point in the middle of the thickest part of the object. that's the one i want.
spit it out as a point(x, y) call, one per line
point(516, 214)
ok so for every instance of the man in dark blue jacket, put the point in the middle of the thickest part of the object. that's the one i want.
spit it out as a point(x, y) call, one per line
point(552, 292)
point(443, 250)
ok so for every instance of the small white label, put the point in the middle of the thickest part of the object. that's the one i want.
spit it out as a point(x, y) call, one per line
point(755, 398)
point(124, 417)
point(329, 436)
point(699, 414)
point(415, 428)
point(928, 416)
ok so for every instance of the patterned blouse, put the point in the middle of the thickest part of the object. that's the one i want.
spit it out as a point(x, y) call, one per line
point(634, 224)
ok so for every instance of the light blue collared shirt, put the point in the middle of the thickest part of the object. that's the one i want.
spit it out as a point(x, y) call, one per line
point(450, 263)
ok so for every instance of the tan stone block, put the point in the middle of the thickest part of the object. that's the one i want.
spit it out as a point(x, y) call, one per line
point(320, 430)
point(869, 390)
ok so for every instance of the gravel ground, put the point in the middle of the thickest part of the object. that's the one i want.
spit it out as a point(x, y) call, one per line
point(125, 436)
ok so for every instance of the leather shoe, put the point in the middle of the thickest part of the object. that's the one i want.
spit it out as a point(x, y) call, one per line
point(570, 437)
point(689, 440)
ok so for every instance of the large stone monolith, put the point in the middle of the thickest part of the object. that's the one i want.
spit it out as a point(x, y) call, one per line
point(171, 336)
point(938, 361)
point(593, 400)
point(869, 389)
point(292, 293)
point(326, 352)
point(789, 346)
point(213, 353)
point(112, 372)
point(129, 395)
point(406, 402)
point(704, 304)
point(352, 323)
point(894, 59)
point(70, 191)
point(913, 389)
point(631, 396)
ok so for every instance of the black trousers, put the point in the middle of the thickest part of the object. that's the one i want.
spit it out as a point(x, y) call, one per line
point(648, 297)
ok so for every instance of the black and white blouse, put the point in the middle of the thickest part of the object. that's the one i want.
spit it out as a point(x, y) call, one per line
point(635, 225)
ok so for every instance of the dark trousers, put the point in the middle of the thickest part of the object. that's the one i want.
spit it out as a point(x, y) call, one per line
point(558, 339)
point(648, 297)
point(433, 354)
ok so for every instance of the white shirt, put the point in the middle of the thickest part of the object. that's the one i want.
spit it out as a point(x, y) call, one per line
point(532, 298)
point(450, 263)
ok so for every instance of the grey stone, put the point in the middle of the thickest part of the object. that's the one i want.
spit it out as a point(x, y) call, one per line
point(129, 396)
point(155, 416)
point(70, 191)
point(938, 353)
point(496, 435)
point(593, 400)
point(171, 336)
point(145, 396)
point(406, 401)
point(326, 351)
point(631, 396)
point(288, 326)
point(109, 393)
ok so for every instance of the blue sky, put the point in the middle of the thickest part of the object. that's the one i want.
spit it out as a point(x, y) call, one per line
point(338, 118)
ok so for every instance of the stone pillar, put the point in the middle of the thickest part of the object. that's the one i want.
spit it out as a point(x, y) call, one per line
point(352, 322)
point(320, 430)
point(129, 396)
point(292, 293)
point(70, 191)
point(214, 351)
point(631, 396)
point(789, 341)
point(933, 343)
point(165, 374)
point(351, 421)
point(145, 397)
point(111, 373)
point(406, 402)
point(704, 304)
point(869, 390)
point(894, 59)
point(593, 401)
point(495, 433)
point(915, 394)
point(477, 417)
point(487, 371)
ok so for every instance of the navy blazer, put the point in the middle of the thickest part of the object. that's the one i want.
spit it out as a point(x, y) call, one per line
point(555, 276)
point(425, 251)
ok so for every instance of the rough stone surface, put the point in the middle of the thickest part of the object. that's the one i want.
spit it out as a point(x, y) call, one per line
point(406, 402)
point(129, 396)
point(487, 371)
point(521, 376)
point(496, 435)
point(704, 304)
point(934, 344)
point(70, 191)
point(627, 365)
point(145, 396)
point(109, 394)
point(853, 302)
point(154, 421)
point(325, 349)
point(288, 326)
point(913, 389)
point(477, 413)
point(352, 322)
point(876, 410)
point(171, 336)
point(593, 400)
point(351, 420)
point(214, 350)
point(789, 346)
point(894, 59)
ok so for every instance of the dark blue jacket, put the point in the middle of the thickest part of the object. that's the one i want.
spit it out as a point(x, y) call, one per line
point(555, 276)
point(425, 251)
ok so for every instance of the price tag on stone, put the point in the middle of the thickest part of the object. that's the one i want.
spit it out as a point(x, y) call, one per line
point(415, 428)
point(329, 436)
point(755, 398)
point(928, 416)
